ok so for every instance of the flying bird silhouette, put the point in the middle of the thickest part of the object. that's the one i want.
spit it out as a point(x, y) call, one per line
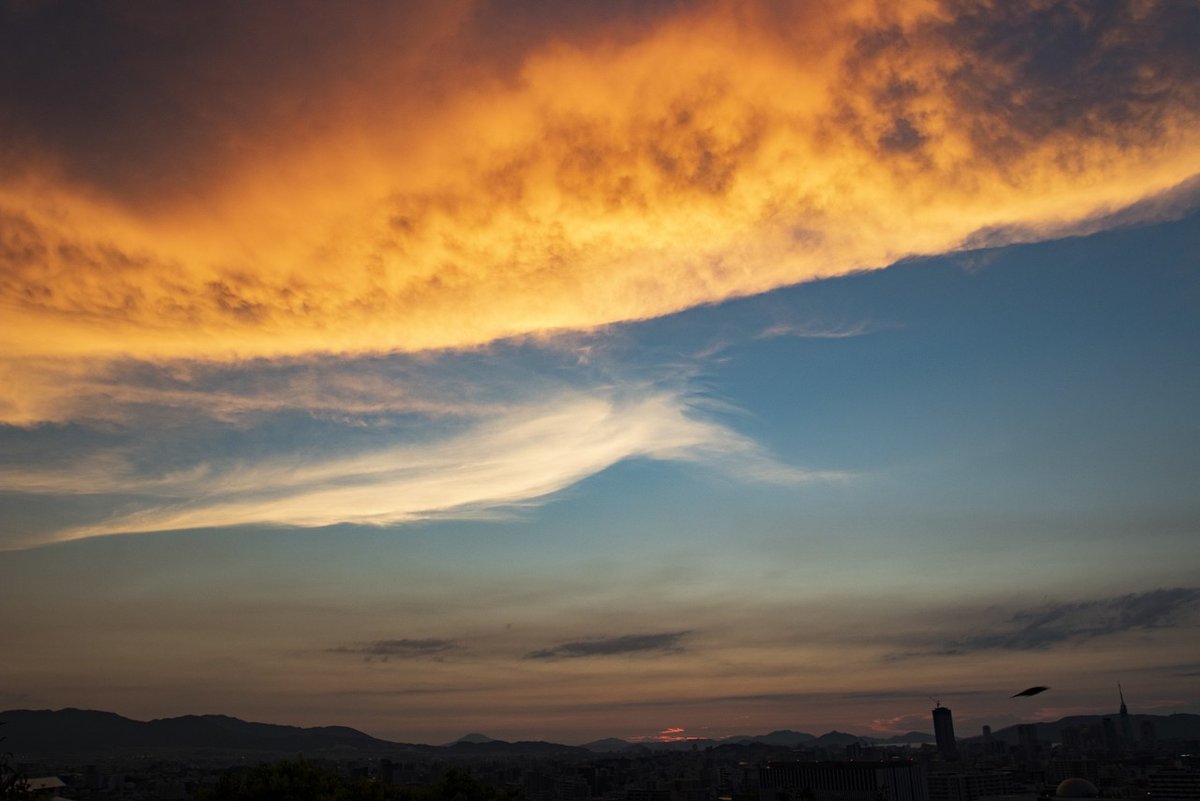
point(1030, 691)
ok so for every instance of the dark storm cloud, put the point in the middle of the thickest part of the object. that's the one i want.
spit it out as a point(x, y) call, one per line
point(1029, 73)
point(136, 98)
point(147, 97)
point(141, 99)
point(1053, 624)
point(666, 642)
point(384, 650)
point(1094, 68)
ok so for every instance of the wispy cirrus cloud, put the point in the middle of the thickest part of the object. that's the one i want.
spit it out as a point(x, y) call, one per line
point(1057, 623)
point(385, 650)
point(497, 464)
point(814, 331)
point(127, 391)
point(661, 643)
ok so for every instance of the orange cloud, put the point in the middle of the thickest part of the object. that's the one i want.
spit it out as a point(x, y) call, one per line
point(718, 151)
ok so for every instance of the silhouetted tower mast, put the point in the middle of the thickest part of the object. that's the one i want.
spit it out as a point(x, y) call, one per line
point(1126, 724)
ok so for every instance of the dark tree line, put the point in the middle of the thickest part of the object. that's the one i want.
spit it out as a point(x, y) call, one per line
point(301, 780)
point(13, 786)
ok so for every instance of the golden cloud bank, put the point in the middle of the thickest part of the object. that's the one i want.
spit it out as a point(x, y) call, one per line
point(619, 174)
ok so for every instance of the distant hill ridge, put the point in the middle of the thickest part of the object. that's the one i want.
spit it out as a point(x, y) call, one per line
point(85, 730)
point(70, 730)
point(81, 730)
point(784, 738)
point(1179, 726)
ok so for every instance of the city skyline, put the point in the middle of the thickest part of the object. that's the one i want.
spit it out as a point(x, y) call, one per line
point(563, 371)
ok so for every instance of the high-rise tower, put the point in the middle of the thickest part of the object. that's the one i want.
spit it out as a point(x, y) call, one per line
point(1126, 724)
point(943, 731)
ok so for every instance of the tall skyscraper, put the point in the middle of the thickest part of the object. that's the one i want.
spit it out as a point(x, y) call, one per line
point(943, 730)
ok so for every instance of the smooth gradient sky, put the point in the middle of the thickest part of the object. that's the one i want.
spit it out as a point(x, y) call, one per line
point(569, 370)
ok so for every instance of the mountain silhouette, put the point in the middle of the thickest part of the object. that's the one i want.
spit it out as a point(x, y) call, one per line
point(74, 731)
point(473, 738)
point(1180, 726)
point(783, 737)
point(490, 747)
point(839, 738)
point(79, 730)
point(608, 745)
point(903, 739)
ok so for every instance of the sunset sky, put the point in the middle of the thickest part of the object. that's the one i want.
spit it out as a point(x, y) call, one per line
point(562, 370)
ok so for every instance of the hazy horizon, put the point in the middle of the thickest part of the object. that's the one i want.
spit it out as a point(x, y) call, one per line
point(670, 736)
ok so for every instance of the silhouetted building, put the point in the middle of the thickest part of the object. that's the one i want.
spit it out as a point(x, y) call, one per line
point(1073, 738)
point(1149, 737)
point(969, 785)
point(1027, 741)
point(1112, 746)
point(1175, 784)
point(843, 781)
point(943, 732)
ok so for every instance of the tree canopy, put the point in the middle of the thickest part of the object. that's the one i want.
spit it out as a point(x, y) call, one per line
point(301, 780)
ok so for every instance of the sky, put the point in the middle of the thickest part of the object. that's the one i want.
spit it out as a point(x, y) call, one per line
point(564, 370)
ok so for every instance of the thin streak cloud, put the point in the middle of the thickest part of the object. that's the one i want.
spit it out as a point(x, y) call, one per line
point(665, 642)
point(814, 332)
point(385, 650)
point(1053, 624)
point(515, 460)
point(127, 392)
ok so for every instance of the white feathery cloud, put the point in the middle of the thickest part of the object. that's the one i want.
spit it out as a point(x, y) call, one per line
point(516, 459)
